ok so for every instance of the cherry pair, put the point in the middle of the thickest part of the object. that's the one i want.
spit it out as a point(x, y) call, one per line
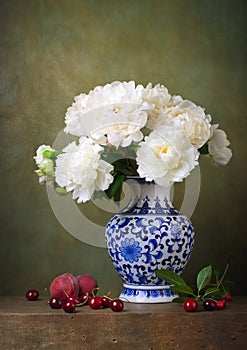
point(98, 302)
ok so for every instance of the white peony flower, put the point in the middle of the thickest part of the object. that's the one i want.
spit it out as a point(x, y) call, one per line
point(166, 156)
point(158, 96)
point(113, 114)
point(80, 169)
point(72, 117)
point(117, 125)
point(218, 146)
point(187, 116)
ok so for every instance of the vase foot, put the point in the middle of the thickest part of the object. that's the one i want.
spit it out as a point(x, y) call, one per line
point(147, 294)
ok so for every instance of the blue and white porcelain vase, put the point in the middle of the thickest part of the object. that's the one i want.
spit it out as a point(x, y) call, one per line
point(148, 235)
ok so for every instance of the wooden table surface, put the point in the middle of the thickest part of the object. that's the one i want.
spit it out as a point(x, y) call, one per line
point(32, 325)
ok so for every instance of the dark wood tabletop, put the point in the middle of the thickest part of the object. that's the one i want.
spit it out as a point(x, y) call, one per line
point(34, 325)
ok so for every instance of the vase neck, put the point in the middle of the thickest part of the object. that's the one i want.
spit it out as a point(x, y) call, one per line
point(150, 198)
point(152, 192)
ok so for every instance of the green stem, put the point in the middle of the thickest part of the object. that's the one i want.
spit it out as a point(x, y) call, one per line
point(132, 164)
point(130, 161)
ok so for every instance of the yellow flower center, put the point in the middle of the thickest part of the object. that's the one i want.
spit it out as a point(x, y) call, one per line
point(164, 149)
point(117, 109)
point(160, 150)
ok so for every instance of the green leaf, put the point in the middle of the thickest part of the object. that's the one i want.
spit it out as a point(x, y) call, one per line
point(134, 147)
point(204, 149)
point(211, 291)
point(117, 195)
point(122, 166)
point(112, 155)
point(184, 289)
point(216, 274)
point(146, 131)
point(115, 188)
point(170, 277)
point(204, 277)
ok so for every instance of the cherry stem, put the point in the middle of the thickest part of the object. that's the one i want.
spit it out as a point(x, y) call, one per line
point(107, 296)
point(93, 290)
point(224, 273)
point(84, 302)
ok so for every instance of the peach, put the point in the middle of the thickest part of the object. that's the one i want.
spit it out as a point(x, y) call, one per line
point(87, 284)
point(64, 286)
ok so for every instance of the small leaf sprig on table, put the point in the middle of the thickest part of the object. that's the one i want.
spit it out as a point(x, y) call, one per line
point(211, 288)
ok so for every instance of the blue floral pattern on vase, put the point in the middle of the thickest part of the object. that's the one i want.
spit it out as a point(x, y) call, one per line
point(130, 250)
point(149, 236)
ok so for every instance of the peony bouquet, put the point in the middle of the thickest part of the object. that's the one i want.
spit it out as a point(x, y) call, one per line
point(123, 129)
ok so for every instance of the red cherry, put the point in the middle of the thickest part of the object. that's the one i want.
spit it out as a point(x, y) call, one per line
point(209, 305)
point(74, 298)
point(95, 302)
point(116, 305)
point(221, 304)
point(32, 294)
point(228, 297)
point(190, 305)
point(55, 303)
point(106, 301)
point(83, 299)
point(69, 306)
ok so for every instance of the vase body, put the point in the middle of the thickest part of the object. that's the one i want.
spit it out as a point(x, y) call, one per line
point(150, 234)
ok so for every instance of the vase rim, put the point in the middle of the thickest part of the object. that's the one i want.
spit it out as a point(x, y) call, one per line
point(142, 180)
point(138, 178)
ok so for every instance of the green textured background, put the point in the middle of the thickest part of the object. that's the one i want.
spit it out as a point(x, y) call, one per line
point(53, 50)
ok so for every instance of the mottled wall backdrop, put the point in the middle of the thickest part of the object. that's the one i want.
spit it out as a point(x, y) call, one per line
point(51, 50)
